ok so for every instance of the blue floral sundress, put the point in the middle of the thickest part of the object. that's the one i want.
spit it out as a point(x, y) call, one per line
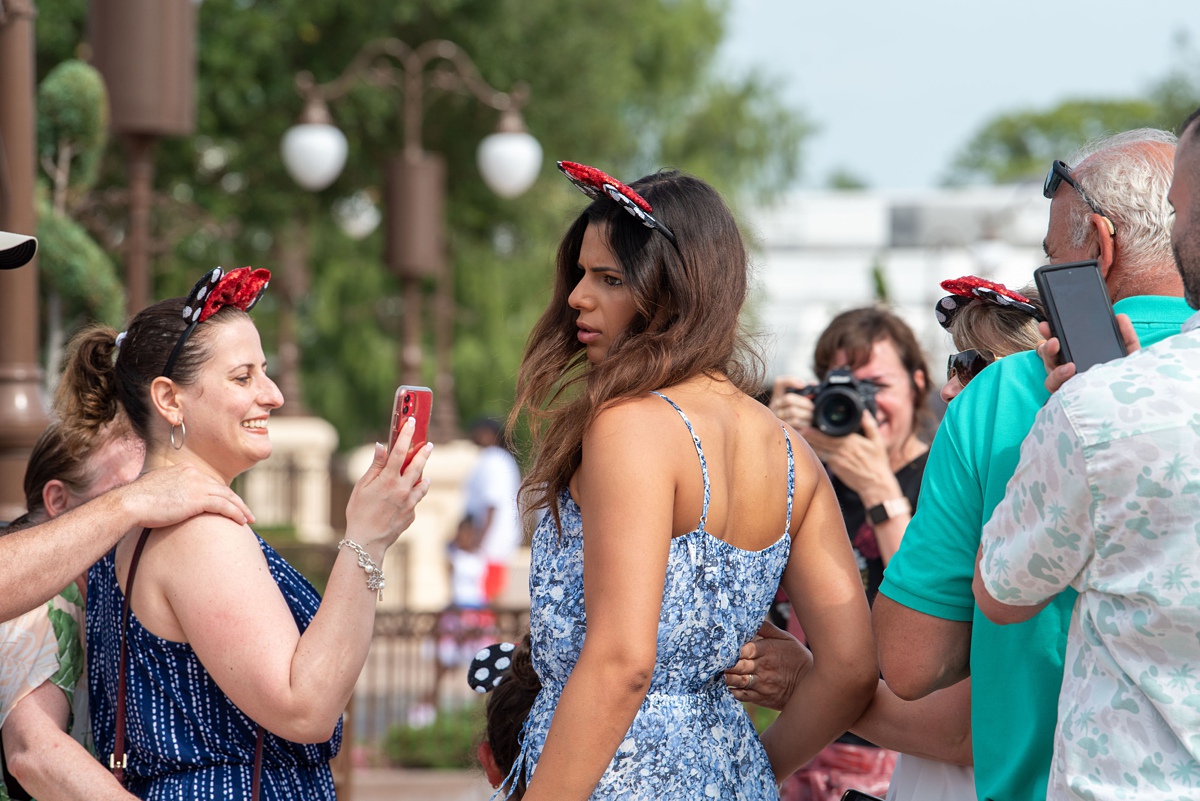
point(691, 739)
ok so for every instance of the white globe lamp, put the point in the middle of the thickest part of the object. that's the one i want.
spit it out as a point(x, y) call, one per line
point(510, 159)
point(314, 150)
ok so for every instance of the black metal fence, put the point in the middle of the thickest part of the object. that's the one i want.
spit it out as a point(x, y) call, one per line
point(412, 704)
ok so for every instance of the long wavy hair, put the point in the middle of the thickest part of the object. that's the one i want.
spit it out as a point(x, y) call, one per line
point(686, 323)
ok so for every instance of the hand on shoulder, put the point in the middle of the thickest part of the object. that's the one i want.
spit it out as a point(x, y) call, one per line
point(168, 495)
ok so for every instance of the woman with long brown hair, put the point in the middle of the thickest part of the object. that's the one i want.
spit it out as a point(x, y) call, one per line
point(676, 503)
point(221, 673)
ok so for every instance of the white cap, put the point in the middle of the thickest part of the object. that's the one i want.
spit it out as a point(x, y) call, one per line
point(16, 249)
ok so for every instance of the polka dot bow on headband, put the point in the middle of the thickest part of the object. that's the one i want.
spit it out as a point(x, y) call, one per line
point(597, 184)
point(490, 666)
point(972, 287)
point(241, 288)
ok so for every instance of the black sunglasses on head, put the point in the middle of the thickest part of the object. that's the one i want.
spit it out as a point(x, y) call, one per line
point(968, 364)
point(1059, 172)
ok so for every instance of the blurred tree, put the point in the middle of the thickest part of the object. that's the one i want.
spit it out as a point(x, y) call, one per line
point(842, 179)
point(79, 281)
point(1020, 145)
point(628, 85)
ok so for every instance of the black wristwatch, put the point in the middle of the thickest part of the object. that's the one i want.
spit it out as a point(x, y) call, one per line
point(892, 507)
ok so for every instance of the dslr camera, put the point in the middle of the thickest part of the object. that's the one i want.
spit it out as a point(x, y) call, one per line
point(839, 401)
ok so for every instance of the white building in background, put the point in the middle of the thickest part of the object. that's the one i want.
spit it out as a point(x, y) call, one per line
point(814, 254)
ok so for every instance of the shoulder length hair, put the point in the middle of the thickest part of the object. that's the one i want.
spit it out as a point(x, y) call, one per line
point(686, 323)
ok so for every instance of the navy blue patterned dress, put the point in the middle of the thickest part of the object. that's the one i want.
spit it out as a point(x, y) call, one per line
point(185, 739)
point(691, 739)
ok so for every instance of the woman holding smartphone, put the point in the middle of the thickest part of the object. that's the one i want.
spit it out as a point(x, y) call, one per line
point(236, 671)
point(676, 502)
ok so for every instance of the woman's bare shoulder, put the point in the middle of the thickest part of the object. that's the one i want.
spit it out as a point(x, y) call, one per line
point(206, 533)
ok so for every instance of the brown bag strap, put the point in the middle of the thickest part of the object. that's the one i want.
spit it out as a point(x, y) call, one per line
point(118, 765)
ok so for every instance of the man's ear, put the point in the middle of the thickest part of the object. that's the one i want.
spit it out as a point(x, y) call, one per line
point(1105, 235)
point(164, 394)
point(494, 775)
point(56, 497)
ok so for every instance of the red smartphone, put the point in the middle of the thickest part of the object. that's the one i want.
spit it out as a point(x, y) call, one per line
point(414, 402)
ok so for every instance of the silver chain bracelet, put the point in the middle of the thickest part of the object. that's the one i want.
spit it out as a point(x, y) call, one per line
point(375, 579)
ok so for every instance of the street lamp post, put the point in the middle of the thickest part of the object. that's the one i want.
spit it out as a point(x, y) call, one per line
point(22, 413)
point(146, 51)
point(415, 180)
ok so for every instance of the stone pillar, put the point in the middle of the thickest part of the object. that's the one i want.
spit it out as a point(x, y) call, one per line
point(416, 567)
point(293, 486)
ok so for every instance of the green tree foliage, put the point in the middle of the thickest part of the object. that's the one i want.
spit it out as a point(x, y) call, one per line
point(78, 279)
point(628, 85)
point(1020, 145)
point(72, 124)
point(76, 270)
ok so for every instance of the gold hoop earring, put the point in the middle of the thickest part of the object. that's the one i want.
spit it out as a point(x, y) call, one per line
point(182, 437)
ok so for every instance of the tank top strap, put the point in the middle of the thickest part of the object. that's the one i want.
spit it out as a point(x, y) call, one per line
point(703, 461)
point(791, 477)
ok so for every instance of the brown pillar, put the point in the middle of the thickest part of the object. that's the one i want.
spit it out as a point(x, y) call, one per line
point(22, 415)
point(292, 281)
point(138, 283)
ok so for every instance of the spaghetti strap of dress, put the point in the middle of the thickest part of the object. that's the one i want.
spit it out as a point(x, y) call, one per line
point(703, 461)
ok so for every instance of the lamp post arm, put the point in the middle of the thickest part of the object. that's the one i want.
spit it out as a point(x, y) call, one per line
point(391, 62)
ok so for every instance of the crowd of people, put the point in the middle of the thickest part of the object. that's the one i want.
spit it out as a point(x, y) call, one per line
point(1005, 608)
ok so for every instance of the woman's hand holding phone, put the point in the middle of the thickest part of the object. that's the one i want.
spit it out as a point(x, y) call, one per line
point(384, 501)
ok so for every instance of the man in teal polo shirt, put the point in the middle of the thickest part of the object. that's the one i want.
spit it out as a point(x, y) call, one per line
point(1111, 206)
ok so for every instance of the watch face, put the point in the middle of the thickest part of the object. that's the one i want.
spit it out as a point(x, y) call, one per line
point(878, 513)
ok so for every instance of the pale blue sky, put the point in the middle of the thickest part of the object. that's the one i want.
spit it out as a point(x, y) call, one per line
point(898, 87)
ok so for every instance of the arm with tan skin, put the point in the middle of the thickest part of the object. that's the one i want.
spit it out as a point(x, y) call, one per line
point(823, 582)
point(36, 563)
point(628, 512)
point(861, 461)
point(936, 727)
point(919, 653)
point(212, 586)
point(48, 763)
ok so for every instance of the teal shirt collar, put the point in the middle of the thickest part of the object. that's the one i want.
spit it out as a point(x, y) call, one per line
point(1154, 309)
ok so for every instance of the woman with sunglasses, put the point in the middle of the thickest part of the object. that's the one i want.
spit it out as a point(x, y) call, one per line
point(987, 322)
point(676, 503)
point(221, 673)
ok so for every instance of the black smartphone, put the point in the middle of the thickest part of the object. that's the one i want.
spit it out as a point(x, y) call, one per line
point(1080, 313)
point(859, 795)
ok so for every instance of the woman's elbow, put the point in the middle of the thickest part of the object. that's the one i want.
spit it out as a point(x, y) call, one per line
point(305, 726)
point(22, 763)
point(626, 670)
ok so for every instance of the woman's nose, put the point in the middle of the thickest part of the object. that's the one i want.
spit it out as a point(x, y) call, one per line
point(272, 397)
point(951, 389)
point(579, 297)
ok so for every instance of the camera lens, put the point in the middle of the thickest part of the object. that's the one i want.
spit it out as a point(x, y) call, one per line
point(838, 412)
point(405, 409)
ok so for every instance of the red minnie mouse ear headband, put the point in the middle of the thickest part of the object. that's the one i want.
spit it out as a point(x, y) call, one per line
point(971, 287)
point(240, 288)
point(597, 184)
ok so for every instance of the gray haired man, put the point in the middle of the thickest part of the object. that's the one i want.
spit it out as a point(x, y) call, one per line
point(1109, 204)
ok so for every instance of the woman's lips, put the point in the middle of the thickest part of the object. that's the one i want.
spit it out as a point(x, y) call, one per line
point(587, 335)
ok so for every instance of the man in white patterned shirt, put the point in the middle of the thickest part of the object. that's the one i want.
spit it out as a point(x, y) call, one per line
point(1106, 499)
